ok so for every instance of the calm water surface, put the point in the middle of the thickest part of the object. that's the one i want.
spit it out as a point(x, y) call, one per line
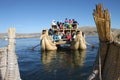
point(54, 65)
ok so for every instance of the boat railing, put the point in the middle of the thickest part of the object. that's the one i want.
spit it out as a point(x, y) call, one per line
point(64, 29)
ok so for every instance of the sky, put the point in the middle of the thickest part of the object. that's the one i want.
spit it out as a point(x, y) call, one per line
point(32, 16)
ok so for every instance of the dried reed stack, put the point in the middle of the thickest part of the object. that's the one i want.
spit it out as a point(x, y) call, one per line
point(8, 59)
point(109, 50)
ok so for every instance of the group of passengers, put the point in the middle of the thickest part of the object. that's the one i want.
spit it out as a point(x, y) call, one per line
point(68, 23)
point(58, 36)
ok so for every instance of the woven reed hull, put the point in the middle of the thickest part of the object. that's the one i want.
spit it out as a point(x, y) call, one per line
point(47, 44)
point(79, 43)
point(111, 70)
point(75, 45)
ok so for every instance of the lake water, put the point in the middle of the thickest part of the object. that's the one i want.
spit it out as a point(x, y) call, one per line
point(54, 65)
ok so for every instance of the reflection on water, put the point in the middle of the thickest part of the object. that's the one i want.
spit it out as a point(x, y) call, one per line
point(79, 57)
point(64, 58)
point(47, 56)
point(65, 63)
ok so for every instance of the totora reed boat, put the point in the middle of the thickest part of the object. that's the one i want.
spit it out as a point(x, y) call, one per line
point(75, 41)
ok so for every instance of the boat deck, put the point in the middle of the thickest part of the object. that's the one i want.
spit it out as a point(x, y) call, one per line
point(62, 42)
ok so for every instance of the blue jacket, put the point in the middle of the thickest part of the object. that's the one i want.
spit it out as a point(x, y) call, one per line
point(55, 37)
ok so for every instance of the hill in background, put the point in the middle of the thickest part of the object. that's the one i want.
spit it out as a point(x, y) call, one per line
point(22, 35)
point(88, 30)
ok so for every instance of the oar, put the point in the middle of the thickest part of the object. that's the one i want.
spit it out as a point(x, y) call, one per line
point(88, 43)
point(92, 46)
point(35, 47)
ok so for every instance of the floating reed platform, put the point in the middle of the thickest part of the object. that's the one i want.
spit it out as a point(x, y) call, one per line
point(107, 65)
point(8, 61)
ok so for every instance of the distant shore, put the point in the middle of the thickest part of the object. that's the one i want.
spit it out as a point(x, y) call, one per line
point(89, 31)
point(21, 35)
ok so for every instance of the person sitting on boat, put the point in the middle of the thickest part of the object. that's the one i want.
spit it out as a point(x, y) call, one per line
point(60, 35)
point(58, 23)
point(68, 36)
point(70, 21)
point(66, 24)
point(54, 24)
point(61, 25)
point(73, 35)
point(70, 26)
point(50, 32)
point(74, 24)
point(63, 36)
point(55, 36)
point(66, 20)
